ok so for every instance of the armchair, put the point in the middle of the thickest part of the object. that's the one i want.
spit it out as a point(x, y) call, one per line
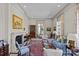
point(22, 50)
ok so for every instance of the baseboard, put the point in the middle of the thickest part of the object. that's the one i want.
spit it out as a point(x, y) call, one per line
point(13, 53)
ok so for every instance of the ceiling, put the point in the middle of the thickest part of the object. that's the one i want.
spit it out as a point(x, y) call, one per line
point(42, 10)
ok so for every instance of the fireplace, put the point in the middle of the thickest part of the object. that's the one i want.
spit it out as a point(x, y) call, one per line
point(16, 37)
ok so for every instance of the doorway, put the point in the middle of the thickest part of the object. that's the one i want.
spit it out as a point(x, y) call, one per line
point(32, 31)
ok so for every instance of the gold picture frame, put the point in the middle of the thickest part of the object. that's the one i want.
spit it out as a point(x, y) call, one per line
point(17, 22)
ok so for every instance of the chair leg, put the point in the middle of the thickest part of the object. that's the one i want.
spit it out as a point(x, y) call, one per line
point(19, 54)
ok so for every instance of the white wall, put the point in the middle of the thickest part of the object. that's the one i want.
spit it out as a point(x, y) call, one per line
point(47, 22)
point(3, 21)
point(70, 21)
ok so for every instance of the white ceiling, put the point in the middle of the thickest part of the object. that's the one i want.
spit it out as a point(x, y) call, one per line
point(42, 10)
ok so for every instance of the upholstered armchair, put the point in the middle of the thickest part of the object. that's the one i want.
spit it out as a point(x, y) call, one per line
point(22, 50)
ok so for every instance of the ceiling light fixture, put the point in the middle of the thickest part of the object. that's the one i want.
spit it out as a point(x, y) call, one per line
point(24, 6)
point(58, 5)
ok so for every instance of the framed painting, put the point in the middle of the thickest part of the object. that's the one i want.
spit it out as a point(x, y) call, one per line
point(17, 22)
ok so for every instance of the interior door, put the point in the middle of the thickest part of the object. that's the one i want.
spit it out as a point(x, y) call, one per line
point(32, 31)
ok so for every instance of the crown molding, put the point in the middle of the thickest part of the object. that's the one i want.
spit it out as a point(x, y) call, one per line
point(60, 11)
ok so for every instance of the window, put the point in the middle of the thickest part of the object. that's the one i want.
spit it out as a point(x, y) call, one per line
point(60, 25)
point(40, 29)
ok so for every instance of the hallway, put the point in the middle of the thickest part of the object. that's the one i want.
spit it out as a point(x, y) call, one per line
point(55, 26)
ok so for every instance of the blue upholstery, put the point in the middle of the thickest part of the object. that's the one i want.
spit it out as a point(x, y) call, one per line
point(60, 46)
point(2, 42)
point(24, 50)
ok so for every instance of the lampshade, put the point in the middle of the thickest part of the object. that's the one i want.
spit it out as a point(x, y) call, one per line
point(73, 37)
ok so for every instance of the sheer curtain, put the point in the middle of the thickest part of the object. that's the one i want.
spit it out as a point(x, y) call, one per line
point(78, 20)
point(40, 27)
point(78, 27)
point(60, 25)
